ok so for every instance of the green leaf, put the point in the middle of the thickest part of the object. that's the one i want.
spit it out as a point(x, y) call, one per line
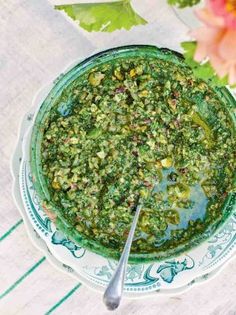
point(183, 3)
point(204, 70)
point(189, 51)
point(104, 17)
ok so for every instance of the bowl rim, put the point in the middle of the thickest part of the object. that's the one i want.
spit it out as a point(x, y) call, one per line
point(201, 274)
point(62, 82)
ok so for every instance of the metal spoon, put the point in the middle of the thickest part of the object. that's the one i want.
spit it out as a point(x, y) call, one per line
point(113, 293)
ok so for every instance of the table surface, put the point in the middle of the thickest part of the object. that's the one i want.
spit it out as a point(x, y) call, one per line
point(36, 43)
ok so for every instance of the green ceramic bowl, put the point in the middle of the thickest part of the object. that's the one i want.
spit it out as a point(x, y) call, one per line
point(61, 84)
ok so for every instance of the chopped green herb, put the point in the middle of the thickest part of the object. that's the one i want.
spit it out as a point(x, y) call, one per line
point(133, 123)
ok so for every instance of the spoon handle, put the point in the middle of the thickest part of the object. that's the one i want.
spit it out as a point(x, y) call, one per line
point(113, 293)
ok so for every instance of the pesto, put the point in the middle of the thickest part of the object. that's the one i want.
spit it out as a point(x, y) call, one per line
point(124, 126)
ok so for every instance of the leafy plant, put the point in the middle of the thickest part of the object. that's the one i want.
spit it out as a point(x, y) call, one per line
point(105, 17)
point(119, 14)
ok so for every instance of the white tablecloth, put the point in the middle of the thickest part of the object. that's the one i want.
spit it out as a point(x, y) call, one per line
point(36, 43)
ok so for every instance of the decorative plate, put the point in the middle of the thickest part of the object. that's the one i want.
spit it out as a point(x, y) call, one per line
point(166, 277)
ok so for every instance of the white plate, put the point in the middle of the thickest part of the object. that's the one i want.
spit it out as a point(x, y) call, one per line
point(167, 277)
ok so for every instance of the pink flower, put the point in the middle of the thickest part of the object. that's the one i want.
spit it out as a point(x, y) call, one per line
point(216, 40)
point(226, 10)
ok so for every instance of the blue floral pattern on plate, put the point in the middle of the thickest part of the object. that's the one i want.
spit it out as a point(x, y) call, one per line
point(168, 276)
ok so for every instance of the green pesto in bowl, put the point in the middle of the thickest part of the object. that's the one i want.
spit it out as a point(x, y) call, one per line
point(115, 125)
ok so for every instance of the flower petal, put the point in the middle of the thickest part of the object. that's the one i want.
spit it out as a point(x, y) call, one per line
point(217, 6)
point(208, 17)
point(206, 34)
point(227, 45)
point(201, 52)
point(219, 65)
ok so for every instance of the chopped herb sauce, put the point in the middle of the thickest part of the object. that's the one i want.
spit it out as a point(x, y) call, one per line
point(124, 126)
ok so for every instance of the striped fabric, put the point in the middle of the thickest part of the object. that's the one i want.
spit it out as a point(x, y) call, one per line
point(36, 42)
